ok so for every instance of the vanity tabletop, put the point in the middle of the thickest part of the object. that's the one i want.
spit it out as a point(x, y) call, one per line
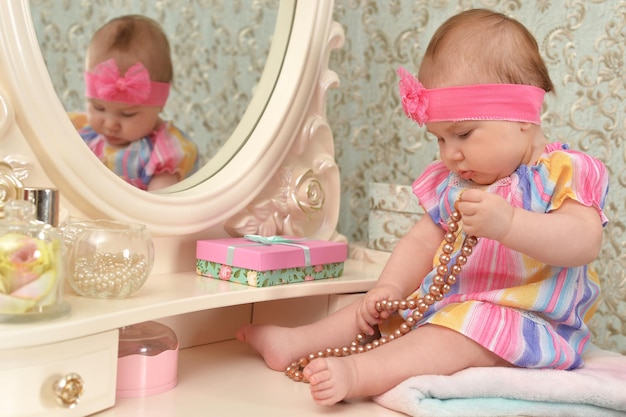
point(172, 294)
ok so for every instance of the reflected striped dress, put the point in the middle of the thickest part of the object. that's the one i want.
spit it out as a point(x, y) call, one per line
point(165, 150)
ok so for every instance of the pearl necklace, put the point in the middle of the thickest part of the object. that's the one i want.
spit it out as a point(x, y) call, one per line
point(442, 283)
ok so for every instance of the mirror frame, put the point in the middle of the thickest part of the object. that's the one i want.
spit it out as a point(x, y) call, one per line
point(94, 191)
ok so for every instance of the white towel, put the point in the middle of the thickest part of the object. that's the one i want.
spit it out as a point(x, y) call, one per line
point(596, 389)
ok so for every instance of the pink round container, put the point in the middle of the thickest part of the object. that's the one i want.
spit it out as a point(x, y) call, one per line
point(147, 362)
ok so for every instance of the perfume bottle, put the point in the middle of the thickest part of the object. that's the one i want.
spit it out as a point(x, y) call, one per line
point(31, 268)
point(46, 201)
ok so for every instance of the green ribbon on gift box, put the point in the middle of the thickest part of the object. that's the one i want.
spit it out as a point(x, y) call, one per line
point(270, 240)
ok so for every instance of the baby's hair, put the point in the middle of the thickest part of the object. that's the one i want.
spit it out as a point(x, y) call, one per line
point(480, 46)
point(130, 39)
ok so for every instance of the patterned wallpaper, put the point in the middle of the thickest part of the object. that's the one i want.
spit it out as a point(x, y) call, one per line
point(583, 43)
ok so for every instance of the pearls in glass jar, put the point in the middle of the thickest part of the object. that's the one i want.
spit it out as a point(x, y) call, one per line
point(108, 259)
point(110, 273)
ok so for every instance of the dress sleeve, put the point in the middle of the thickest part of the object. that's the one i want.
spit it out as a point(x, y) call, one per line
point(577, 176)
point(78, 119)
point(428, 188)
point(92, 139)
point(173, 153)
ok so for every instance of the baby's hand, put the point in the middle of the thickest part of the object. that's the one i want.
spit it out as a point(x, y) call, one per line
point(485, 215)
point(367, 315)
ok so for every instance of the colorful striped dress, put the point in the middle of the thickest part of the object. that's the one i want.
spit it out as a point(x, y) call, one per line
point(531, 314)
point(165, 150)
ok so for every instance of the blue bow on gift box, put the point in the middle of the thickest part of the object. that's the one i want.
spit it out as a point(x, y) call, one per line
point(271, 240)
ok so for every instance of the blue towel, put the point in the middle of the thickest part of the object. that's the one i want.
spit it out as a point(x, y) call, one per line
point(598, 389)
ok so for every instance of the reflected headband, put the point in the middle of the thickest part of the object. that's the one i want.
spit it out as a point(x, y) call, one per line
point(511, 102)
point(135, 87)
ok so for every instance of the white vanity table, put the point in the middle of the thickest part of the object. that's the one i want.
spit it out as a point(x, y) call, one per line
point(275, 175)
point(228, 373)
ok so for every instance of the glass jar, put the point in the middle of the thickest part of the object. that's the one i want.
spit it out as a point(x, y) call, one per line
point(107, 258)
point(31, 266)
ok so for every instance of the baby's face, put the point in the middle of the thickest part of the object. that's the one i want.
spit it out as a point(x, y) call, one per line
point(483, 151)
point(121, 123)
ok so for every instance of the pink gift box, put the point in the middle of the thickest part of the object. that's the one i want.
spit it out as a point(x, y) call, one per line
point(258, 264)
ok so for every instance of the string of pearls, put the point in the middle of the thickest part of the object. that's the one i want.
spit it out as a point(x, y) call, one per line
point(442, 283)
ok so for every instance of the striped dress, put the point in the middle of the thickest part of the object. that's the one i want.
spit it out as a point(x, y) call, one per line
point(165, 150)
point(531, 314)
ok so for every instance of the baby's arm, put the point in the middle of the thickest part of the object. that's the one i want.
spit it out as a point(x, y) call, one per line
point(569, 236)
point(163, 180)
point(410, 261)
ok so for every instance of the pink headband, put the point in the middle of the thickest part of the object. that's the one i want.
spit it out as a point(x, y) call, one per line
point(135, 87)
point(511, 102)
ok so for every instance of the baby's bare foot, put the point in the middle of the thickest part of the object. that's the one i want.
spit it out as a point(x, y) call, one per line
point(272, 342)
point(331, 379)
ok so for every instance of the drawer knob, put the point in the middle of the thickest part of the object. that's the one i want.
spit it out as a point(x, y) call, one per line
point(68, 390)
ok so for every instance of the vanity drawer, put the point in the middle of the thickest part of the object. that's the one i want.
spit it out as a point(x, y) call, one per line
point(28, 377)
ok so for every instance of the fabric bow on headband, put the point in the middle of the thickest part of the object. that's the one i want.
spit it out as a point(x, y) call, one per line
point(135, 87)
point(414, 101)
point(510, 102)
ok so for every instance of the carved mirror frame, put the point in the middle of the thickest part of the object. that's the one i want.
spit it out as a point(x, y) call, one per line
point(281, 179)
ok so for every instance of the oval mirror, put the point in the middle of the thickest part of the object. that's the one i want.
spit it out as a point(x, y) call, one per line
point(219, 52)
point(258, 146)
